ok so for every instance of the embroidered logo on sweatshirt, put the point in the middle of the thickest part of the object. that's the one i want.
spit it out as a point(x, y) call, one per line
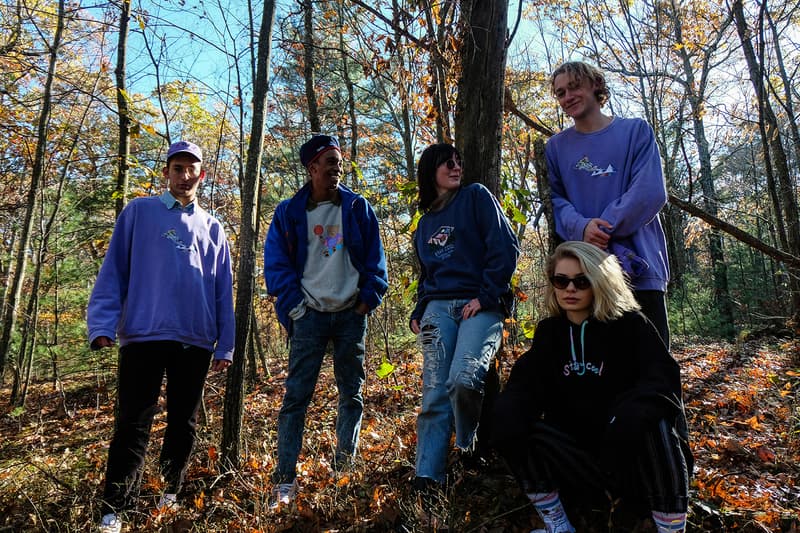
point(586, 165)
point(441, 243)
point(179, 244)
point(332, 240)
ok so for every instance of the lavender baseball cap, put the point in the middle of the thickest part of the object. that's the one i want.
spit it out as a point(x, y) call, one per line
point(185, 147)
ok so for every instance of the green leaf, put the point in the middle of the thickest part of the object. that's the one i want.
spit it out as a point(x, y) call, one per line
point(385, 369)
point(414, 221)
point(528, 329)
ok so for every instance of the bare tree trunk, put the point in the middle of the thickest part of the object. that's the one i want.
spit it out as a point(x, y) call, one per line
point(8, 273)
point(439, 67)
point(234, 391)
point(29, 334)
point(124, 148)
point(37, 175)
point(479, 126)
point(543, 187)
point(787, 81)
point(479, 106)
point(28, 348)
point(695, 91)
point(308, 68)
point(775, 156)
point(351, 102)
point(252, 364)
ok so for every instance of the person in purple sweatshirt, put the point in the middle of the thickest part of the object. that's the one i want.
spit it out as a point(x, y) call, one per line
point(165, 292)
point(467, 254)
point(608, 187)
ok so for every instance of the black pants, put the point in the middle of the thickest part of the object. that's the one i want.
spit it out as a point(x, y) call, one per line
point(650, 471)
point(141, 370)
point(654, 307)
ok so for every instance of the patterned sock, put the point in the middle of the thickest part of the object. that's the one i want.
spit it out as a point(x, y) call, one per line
point(549, 507)
point(669, 522)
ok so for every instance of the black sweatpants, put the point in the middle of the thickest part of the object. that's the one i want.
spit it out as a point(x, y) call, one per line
point(651, 470)
point(141, 370)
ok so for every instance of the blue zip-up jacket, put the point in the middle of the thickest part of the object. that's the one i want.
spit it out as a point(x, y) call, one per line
point(286, 250)
point(166, 276)
point(466, 250)
point(614, 174)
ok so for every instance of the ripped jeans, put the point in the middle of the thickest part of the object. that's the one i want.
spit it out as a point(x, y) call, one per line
point(456, 358)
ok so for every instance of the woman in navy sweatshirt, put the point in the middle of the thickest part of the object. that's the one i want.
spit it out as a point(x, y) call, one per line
point(467, 253)
point(595, 404)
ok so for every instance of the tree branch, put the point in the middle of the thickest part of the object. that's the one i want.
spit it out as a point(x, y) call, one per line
point(736, 233)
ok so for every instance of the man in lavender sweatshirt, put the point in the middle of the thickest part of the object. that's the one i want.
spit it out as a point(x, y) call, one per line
point(608, 187)
point(165, 291)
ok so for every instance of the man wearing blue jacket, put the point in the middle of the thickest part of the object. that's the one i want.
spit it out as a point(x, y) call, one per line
point(324, 263)
point(608, 187)
point(165, 291)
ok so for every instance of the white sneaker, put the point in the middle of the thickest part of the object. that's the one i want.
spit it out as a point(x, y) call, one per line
point(110, 523)
point(168, 502)
point(283, 494)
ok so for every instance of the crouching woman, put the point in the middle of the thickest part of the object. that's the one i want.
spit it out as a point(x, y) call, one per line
point(595, 405)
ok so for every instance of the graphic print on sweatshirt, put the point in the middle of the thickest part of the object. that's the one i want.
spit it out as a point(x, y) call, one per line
point(179, 244)
point(594, 170)
point(579, 368)
point(330, 238)
point(442, 242)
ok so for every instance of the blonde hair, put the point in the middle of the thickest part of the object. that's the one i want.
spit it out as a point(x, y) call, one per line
point(612, 292)
point(580, 72)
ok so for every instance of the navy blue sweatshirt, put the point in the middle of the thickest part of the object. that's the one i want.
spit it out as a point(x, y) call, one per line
point(466, 250)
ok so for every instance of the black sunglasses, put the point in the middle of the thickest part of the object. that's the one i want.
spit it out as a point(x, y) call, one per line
point(451, 163)
point(581, 282)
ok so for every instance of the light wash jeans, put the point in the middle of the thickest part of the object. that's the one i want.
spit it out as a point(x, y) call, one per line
point(310, 337)
point(456, 354)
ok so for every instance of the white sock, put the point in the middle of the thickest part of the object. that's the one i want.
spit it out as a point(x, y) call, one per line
point(108, 519)
point(552, 512)
point(669, 522)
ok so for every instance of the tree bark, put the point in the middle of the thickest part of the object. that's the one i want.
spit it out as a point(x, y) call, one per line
point(479, 106)
point(774, 153)
point(351, 104)
point(733, 231)
point(124, 148)
point(695, 93)
point(234, 392)
point(308, 67)
point(37, 176)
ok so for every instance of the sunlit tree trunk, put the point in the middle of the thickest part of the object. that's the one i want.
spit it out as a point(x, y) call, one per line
point(775, 157)
point(308, 66)
point(787, 83)
point(438, 67)
point(124, 148)
point(246, 271)
point(405, 113)
point(351, 101)
point(695, 93)
point(37, 174)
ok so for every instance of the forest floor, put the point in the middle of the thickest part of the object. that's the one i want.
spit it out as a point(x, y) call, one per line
point(742, 401)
